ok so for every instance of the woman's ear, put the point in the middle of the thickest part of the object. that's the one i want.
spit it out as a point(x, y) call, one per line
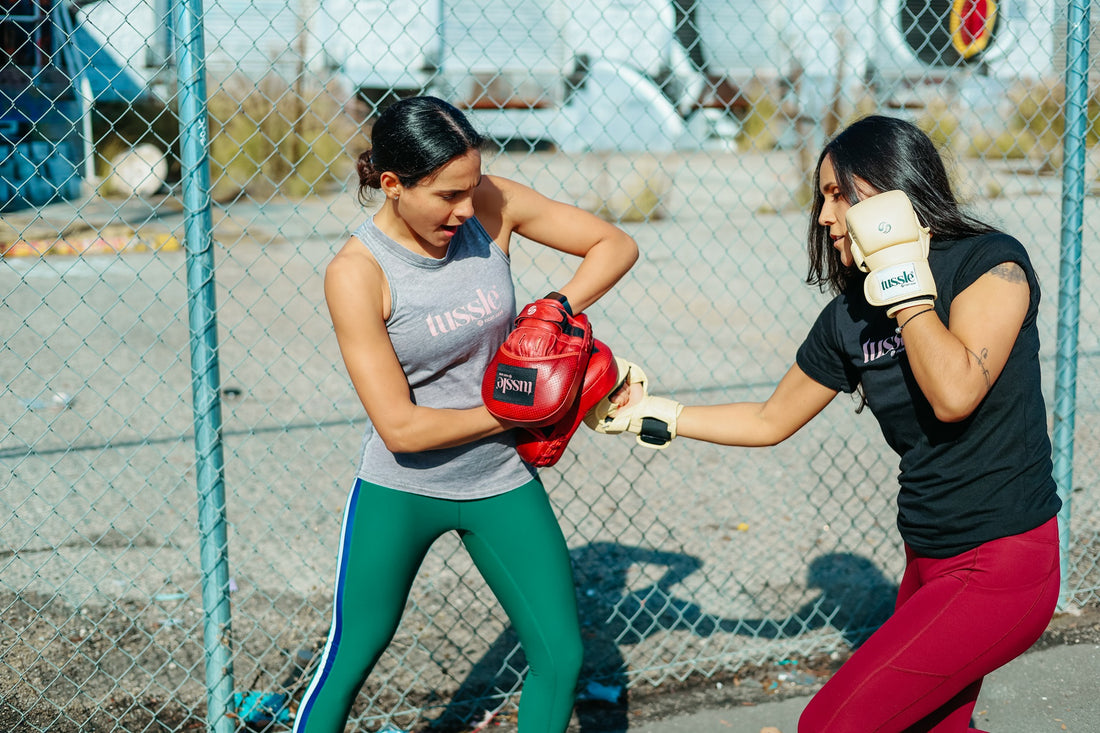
point(390, 184)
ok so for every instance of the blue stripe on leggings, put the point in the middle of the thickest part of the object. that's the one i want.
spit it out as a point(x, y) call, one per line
point(334, 632)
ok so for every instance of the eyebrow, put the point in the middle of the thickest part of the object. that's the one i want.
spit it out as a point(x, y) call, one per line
point(447, 191)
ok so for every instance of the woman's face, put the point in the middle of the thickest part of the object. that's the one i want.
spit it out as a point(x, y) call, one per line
point(835, 207)
point(432, 211)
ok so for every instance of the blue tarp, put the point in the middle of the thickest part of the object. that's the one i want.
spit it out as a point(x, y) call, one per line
point(111, 80)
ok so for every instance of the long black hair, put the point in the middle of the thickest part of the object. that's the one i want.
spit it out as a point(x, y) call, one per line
point(889, 154)
point(413, 138)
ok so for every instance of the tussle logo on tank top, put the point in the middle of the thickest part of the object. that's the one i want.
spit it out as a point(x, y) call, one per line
point(485, 307)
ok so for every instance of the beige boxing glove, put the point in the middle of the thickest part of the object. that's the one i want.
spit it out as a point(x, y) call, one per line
point(889, 243)
point(652, 419)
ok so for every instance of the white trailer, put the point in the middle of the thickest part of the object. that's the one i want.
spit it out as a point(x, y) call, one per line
point(518, 65)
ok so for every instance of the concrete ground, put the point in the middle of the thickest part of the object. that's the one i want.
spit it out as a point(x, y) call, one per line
point(702, 311)
point(1051, 689)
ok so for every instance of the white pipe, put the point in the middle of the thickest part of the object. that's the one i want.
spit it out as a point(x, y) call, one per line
point(86, 128)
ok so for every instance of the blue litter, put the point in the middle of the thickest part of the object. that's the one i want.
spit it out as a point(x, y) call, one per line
point(604, 693)
point(262, 707)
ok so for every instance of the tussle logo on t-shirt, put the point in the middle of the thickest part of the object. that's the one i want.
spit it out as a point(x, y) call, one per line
point(878, 348)
point(515, 385)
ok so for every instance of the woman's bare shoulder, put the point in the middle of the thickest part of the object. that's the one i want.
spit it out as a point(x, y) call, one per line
point(353, 266)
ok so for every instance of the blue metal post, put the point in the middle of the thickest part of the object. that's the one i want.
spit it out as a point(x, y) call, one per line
point(202, 316)
point(1069, 279)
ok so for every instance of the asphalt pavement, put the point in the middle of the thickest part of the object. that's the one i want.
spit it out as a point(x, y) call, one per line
point(1052, 689)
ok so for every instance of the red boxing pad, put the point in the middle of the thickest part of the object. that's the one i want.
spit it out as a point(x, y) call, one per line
point(537, 372)
point(545, 445)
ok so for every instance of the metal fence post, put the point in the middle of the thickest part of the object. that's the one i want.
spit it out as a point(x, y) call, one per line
point(202, 317)
point(1069, 290)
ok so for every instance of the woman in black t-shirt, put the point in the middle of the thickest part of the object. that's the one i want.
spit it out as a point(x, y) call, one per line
point(934, 324)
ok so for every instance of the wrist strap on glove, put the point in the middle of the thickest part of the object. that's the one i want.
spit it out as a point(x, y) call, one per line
point(555, 295)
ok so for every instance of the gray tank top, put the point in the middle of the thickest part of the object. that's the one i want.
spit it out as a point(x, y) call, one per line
point(447, 319)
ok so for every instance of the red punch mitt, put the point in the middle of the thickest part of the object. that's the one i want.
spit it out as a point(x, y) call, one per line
point(537, 372)
point(544, 446)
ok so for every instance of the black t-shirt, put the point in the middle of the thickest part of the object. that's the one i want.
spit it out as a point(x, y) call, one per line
point(963, 483)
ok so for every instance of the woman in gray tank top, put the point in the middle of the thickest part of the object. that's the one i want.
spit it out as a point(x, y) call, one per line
point(421, 296)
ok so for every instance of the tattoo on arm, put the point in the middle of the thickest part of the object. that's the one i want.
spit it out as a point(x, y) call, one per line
point(981, 363)
point(1009, 271)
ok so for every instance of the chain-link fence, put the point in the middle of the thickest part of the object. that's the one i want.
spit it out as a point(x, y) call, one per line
point(131, 347)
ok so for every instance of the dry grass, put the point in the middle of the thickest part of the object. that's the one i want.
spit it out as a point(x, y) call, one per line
point(760, 129)
point(273, 138)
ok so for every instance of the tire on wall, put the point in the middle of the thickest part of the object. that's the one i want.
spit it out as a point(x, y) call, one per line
point(948, 33)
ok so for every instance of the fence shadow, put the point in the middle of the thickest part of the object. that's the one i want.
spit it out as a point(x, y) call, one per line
point(854, 597)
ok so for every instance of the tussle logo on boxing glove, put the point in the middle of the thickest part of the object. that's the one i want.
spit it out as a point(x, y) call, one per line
point(515, 384)
point(884, 227)
point(898, 280)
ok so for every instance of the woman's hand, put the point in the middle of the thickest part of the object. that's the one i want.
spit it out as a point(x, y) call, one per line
point(626, 395)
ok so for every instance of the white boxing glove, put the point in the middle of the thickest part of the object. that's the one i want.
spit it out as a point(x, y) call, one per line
point(651, 419)
point(889, 243)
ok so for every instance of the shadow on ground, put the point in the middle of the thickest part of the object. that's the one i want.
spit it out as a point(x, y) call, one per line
point(853, 597)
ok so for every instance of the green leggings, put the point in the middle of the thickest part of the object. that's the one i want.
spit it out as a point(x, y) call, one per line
point(516, 543)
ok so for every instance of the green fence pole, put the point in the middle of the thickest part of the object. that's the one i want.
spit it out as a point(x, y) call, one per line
point(1069, 279)
point(202, 317)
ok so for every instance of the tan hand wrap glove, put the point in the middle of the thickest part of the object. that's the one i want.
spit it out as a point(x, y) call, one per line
point(889, 243)
point(652, 419)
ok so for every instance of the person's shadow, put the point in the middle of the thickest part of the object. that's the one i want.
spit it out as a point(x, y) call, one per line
point(854, 598)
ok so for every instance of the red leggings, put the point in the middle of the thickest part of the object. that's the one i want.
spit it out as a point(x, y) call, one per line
point(957, 619)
